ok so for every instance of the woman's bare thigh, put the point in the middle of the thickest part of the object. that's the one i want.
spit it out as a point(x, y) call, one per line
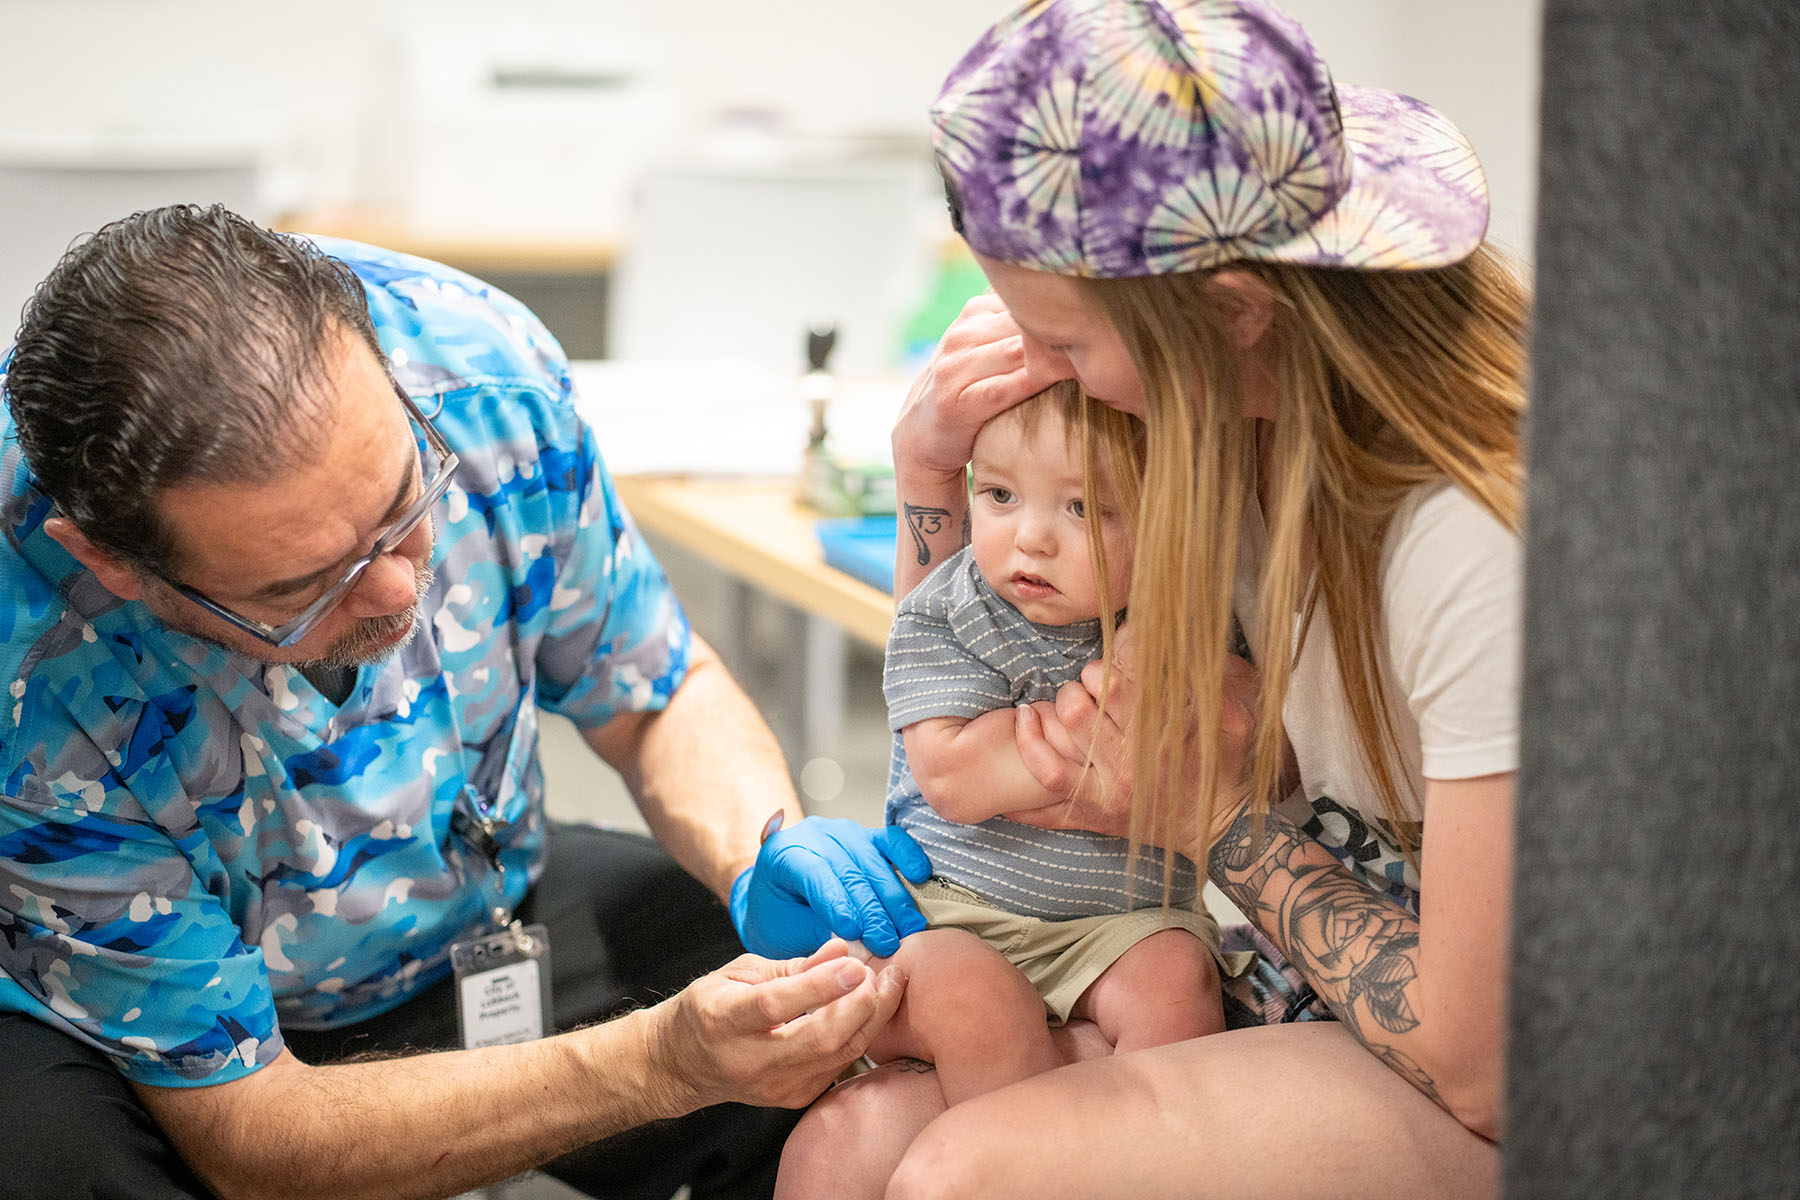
point(1287, 1110)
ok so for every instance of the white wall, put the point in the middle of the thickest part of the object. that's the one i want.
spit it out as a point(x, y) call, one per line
point(1477, 60)
point(303, 77)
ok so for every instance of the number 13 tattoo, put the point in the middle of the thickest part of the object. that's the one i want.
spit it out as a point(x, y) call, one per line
point(921, 522)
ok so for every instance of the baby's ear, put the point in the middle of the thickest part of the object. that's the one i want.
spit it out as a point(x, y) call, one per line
point(113, 573)
point(1247, 304)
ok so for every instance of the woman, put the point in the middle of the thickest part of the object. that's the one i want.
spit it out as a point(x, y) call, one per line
point(1287, 281)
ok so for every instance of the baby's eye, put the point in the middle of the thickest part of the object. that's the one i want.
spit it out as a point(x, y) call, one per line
point(1079, 508)
point(998, 495)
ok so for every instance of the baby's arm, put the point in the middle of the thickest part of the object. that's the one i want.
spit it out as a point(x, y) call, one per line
point(970, 769)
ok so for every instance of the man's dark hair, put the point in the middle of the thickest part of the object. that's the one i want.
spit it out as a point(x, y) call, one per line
point(174, 346)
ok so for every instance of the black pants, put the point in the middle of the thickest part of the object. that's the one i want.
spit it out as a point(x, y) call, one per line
point(627, 928)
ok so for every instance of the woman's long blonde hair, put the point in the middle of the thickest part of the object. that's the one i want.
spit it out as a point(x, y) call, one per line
point(1384, 381)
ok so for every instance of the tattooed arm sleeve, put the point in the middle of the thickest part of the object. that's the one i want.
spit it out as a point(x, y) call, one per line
point(1359, 950)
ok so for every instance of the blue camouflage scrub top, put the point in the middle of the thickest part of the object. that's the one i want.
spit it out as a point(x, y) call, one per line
point(197, 848)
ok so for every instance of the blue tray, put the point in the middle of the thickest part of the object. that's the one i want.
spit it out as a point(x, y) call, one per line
point(861, 546)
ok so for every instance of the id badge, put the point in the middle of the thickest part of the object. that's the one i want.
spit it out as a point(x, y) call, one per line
point(503, 986)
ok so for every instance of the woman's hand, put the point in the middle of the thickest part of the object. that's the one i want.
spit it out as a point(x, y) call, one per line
point(1054, 739)
point(1098, 795)
point(977, 371)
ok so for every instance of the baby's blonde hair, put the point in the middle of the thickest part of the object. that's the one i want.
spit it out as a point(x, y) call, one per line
point(1384, 381)
point(1113, 452)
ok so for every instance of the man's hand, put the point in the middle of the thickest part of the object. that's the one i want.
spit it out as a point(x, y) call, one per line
point(440, 1124)
point(829, 876)
point(772, 1033)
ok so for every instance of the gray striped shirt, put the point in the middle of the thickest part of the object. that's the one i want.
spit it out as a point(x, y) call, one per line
point(959, 650)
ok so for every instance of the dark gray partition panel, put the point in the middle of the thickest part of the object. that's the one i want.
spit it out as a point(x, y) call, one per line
point(1655, 1030)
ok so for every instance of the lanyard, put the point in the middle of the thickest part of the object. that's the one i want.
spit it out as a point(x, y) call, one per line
point(472, 820)
point(502, 977)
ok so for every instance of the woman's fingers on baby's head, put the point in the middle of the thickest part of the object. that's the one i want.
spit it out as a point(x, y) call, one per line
point(982, 302)
point(992, 393)
point(983, 321)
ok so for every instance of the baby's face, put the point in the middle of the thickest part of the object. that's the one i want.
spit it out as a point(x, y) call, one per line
point(1029, 526)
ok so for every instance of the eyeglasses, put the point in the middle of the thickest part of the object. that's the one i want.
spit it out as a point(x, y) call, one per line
point(437, 463)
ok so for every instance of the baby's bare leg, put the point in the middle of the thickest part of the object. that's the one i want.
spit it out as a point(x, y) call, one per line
point(1164, 989)
point(969, 1011)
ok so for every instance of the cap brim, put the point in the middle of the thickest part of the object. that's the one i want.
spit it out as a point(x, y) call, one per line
point(1418, 197)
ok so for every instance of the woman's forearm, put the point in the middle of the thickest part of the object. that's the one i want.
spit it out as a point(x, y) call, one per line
point(934, 522)
point(1358, 950)
point(977, 371)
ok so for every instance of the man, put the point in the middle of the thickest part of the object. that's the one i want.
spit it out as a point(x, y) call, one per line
point(300, 535)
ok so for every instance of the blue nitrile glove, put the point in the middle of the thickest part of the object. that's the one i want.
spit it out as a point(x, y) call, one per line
point(827, 876)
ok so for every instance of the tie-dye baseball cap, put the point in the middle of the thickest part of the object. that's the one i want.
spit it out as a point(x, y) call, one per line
point(1109, 138)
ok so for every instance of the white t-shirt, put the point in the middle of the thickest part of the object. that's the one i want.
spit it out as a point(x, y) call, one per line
point(1452, 604)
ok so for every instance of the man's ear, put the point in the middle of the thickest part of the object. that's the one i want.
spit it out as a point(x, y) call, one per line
point(1248, 306)
point(114, 575)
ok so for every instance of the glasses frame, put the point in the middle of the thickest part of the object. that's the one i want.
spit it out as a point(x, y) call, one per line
point(292, 630)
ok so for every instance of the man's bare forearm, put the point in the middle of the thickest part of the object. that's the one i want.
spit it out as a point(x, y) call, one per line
point(422, 1126)
point(705, 772)
point(1358, 950)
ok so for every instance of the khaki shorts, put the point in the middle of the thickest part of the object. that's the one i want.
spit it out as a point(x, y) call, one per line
point(1063, 958)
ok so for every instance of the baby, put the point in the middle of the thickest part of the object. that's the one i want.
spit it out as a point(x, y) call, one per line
point(1028, 922)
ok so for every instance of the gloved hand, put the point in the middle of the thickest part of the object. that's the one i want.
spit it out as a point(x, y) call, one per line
point(826, 876)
